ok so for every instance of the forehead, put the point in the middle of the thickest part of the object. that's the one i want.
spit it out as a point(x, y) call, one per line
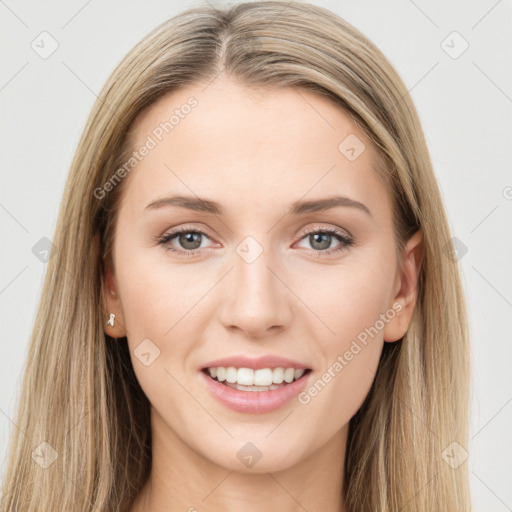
point(249, 146)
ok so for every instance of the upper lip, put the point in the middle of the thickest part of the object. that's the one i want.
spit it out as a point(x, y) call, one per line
point(266, 361)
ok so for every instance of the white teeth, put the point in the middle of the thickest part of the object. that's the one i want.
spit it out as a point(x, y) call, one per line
point(262, 377)
point(299, 373)
point(231, 374)
point(245, 376)
point(258, 380)
point(278, 375)
point(289, 375)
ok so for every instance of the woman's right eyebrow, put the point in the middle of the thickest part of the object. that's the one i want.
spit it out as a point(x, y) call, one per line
point(189, 202)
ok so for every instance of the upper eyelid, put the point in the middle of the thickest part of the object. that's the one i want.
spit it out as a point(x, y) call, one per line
point(328, 229)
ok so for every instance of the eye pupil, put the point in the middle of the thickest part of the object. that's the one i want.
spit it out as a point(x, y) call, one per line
point(317, 237)
point(190, 237)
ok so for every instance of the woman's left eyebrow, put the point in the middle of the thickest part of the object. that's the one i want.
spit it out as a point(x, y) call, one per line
point(297, 208)
point(321, 205)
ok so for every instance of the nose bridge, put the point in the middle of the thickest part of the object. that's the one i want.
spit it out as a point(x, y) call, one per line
point(257, 298)
point(252, 273)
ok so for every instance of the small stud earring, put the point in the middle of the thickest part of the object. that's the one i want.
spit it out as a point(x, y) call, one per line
point(112, 292)
point(111, 319)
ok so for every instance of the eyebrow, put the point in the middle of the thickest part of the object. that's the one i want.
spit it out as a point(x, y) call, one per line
point(297, 208)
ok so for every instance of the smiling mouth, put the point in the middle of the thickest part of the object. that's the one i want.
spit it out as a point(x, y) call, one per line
point(265, 379)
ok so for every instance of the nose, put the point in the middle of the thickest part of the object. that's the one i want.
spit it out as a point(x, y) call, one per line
point(257, 300)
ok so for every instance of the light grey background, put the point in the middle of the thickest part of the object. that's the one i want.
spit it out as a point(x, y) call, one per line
point(465, 105)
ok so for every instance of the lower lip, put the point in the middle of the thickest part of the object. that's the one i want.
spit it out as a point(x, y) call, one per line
point(254, 402)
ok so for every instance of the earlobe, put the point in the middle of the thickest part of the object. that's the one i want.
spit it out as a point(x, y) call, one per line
point(113, 324)
point(406, 298)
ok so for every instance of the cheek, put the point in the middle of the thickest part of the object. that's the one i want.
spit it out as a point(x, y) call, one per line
point(160, 311)
point(346, 299)
point(157, 295)
point(351, 304)
point(163, 305)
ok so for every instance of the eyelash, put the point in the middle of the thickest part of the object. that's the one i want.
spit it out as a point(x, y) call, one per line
point(346, 241)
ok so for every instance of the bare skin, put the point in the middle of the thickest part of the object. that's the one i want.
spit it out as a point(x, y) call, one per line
point(255, 152)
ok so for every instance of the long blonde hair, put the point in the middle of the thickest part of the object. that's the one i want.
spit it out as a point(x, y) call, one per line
point(80, 394)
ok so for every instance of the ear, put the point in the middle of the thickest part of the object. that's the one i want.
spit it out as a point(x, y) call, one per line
point(112, 303)
point(406, 289)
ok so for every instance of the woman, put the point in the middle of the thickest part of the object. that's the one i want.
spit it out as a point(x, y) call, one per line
point(251, 301)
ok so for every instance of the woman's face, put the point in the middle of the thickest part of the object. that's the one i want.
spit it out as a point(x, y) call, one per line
point(261, 270)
